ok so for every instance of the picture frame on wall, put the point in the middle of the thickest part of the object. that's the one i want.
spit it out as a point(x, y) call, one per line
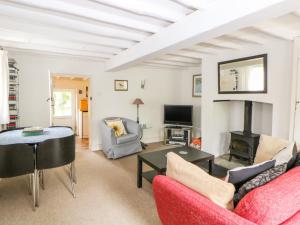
point(121, 85)
point(197, 85)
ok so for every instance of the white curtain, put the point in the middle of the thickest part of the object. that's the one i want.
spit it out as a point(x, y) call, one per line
point(4, 76)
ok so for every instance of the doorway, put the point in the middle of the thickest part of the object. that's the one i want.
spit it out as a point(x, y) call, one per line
point(70, 106)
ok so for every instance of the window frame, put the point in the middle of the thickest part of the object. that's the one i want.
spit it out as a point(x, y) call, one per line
point(63, 90)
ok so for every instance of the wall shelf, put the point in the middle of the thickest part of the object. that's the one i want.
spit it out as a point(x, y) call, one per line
point(13, 97)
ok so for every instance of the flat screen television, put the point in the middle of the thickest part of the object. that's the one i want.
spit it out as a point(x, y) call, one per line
point(178, 114)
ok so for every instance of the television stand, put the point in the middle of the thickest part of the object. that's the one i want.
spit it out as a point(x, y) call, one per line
point(177, 135)
point(175, 127)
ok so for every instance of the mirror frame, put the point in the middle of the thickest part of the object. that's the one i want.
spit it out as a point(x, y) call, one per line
point(265, 64)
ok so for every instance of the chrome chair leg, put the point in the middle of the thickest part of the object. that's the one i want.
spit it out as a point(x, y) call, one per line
point(30, 184)
point(73, 168)
point(37, 187)
point(41, 175)
point(72, 179)
point(33, 190)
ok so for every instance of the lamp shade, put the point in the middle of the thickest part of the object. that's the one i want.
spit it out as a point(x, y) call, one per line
point(138, 101)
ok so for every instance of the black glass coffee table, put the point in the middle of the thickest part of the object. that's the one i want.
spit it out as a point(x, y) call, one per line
point(158, 161)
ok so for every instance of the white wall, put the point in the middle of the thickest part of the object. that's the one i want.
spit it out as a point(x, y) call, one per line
point(214, 115)
point(161, 88)
point(186, 96)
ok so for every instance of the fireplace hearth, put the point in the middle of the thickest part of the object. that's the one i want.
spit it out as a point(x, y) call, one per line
point(243, 144)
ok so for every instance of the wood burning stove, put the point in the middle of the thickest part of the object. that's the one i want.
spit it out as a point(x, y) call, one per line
point(243, 144)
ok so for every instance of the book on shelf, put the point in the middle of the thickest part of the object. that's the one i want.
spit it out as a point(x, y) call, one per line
point(13, 94)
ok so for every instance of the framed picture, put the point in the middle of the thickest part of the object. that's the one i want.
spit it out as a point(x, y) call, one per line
point(197, 85)
point(121, 85)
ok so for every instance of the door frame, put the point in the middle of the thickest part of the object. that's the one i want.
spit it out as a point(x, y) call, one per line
point(90, 107)
point(295, 86)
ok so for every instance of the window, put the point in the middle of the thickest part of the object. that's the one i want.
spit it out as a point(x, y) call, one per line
point(62, 103)
point(255, 83)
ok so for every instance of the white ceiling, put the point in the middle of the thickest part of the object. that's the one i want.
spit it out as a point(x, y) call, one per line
point(102, 29)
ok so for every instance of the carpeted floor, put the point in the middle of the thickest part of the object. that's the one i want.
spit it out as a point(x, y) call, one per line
point(106, 194)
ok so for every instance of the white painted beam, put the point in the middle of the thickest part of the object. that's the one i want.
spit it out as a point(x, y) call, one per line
point(32, 47)
point(54, 54)
point(162, 9)
point(155, 65)
point(197, 4)
point(165, 64)
point(232, 42)
point(192, 53)
point(277, 30)
point(181, 59)
point(253, 34)
point(201, 26)
point(184, 56)
point(63, 34)
point(91, 10)
point(175, 63)
point(12, 35)
point(34, 15)
point(287, 26)
point(209, 48)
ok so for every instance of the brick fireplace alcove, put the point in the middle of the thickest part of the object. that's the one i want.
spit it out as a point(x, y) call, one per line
point(243, 122)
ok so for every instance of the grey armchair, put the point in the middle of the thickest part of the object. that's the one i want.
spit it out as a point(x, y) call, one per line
point(116, 147)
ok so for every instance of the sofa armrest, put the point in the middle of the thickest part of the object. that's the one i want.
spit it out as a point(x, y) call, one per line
point(178, 205)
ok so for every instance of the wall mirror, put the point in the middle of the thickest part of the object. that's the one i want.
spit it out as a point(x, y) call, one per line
point(244, 75)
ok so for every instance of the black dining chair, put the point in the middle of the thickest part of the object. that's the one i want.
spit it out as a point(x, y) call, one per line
point(55, 153)
point(17, 160)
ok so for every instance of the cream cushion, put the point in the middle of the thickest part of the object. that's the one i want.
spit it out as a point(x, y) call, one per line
point(286, 154)
point(268, 147)
point(190, 175)
point(298, 147)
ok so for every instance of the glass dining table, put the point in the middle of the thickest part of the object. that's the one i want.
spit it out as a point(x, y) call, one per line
point(17, 137)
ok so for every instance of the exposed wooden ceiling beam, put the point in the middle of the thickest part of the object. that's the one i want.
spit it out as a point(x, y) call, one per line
point(253, 34)
point(208, 46)
point(155, 65)
point(35, 15)
point(200, 27)
point(11, 35)
point(46, 53)
point(91, 10)
point(165, 65)
point(276, 30)
point(181, 59)
point(63, 34)
point(191, 53)
point(171, 62)
point(200, 51)
point(184, 56)
point(162, 9)
point(196, 4)
point(28, 46)
point(178, 61)
point(232, 42)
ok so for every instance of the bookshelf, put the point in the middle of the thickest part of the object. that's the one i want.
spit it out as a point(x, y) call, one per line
point(13, 96)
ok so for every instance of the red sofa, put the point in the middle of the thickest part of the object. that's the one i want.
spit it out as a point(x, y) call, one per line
point(277, 202)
